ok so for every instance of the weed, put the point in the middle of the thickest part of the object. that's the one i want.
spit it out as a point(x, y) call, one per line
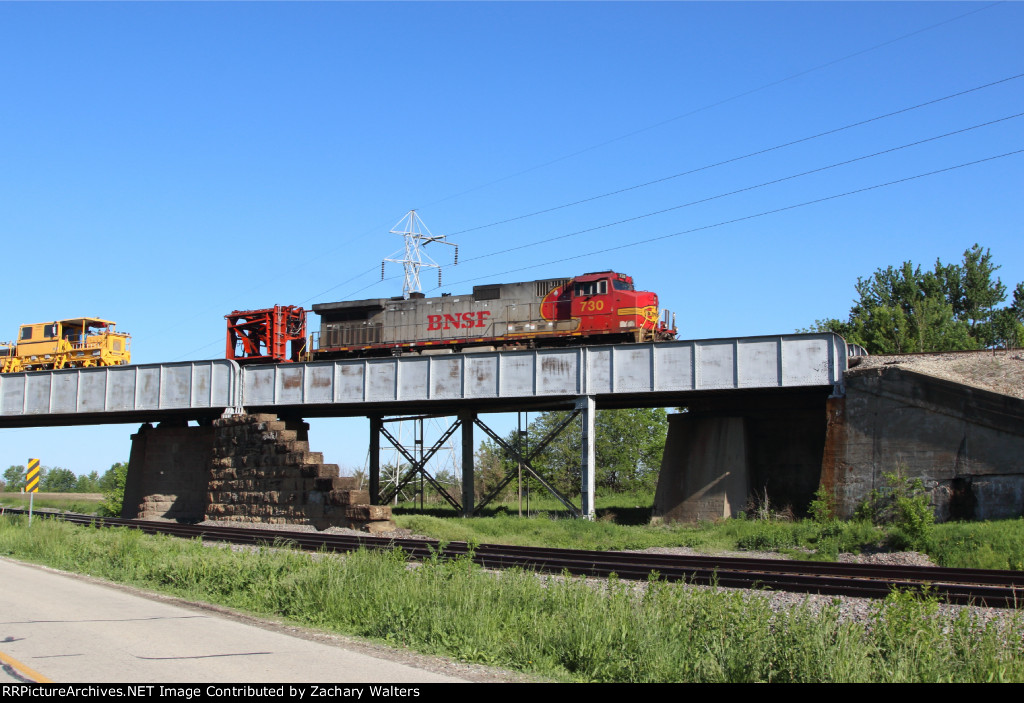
point(823, 508)
point(760, 507)
point(904, 504)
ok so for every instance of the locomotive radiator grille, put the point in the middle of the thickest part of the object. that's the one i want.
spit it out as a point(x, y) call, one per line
point(353, 335)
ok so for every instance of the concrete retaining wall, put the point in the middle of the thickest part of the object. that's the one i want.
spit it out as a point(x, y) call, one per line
point(966, 444)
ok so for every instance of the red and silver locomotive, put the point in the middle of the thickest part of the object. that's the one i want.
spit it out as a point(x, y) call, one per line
point(601, 307)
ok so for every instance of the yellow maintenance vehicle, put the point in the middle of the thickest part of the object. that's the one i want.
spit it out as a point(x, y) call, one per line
point(77, 342)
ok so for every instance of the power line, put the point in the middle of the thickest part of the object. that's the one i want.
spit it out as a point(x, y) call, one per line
point(716, 104)
point(739, 158)
point(711, 226)
point(346, 242)
point(744, 218)
point(548, 240)
point(686, 173)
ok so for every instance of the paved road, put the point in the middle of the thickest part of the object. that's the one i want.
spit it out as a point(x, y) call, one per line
point(70, 630)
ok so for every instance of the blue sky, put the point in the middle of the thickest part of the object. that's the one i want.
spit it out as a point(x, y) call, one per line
point(167, 163)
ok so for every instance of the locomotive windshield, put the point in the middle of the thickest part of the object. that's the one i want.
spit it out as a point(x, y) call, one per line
point(622, 285)
point(590, 288)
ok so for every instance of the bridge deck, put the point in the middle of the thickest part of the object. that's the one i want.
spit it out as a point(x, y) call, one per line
point(642, 373)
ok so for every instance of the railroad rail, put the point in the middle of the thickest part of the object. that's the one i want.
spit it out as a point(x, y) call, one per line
point(980, 587)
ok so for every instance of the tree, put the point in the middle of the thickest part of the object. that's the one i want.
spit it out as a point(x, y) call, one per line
point(952, 307)
point(58, 480)
point(1008, 322)
point(973, 293)
point(88, 483)
point(112, 483)
point(14, 478)
point(628, 444)
point(490, 466)
point(108, 481)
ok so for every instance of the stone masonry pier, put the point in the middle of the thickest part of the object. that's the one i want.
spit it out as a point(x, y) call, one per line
point(243, 468)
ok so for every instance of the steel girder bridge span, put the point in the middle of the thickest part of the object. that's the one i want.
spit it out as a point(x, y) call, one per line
point(579, 379)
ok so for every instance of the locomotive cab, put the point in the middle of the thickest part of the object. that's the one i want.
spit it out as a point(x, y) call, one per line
point(607, 303)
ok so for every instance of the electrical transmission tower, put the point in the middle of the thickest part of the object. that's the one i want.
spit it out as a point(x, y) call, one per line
point(417, 237)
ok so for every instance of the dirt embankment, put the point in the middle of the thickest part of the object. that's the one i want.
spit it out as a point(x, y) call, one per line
point(997, 371)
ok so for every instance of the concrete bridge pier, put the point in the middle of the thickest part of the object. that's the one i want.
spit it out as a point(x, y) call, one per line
point(168, 472)
point(722, 457)
point(704, 472)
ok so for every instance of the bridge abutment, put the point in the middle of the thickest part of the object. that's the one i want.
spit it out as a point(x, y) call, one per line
point(244, 468)
point(965, 444)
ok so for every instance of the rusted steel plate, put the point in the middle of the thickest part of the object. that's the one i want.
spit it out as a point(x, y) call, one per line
point(121, 389)
point(662, 367)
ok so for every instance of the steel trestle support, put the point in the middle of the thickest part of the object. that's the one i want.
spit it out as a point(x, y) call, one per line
point(588, 455)
point(514, 452)
point(416, 466)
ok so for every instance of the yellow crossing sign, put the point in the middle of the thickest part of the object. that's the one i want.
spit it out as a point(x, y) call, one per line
point(32, 478)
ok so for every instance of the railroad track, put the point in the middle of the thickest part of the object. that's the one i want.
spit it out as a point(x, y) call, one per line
point(983, 587)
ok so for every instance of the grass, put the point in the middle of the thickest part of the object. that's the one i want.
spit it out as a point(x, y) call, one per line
point(985, 545)
point(559, 628)
point(622, 523)
point(995, 544)
point(87, 503)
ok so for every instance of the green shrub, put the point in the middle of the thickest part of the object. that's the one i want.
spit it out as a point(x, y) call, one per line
point(113, 493)
point(903, 503)
point(823, 508)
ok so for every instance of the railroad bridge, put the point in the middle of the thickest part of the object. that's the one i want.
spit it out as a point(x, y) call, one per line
point(764, 413)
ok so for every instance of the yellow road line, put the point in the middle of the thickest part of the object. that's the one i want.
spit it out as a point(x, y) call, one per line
point(23, 670)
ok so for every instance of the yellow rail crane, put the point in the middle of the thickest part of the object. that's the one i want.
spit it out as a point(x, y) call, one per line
point(77, 342)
